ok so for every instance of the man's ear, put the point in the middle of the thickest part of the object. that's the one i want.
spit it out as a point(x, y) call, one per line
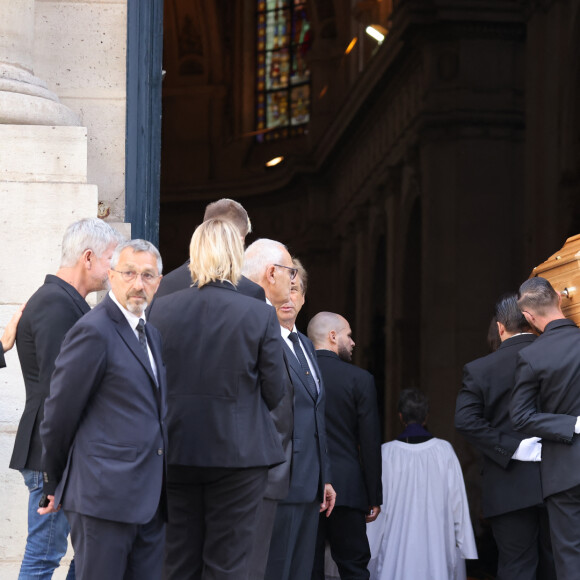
point(332, 336)
point(500, 328)
point(270, 274)
point(86, 258)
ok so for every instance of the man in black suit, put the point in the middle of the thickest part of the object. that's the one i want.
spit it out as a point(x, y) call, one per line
point(9, 335)
point(546, 403)
point(293, 542)
point(49, 314)
point(234, 212)
point(102, 433)
point(268, 264)
point(354, 448)
point(512, 490)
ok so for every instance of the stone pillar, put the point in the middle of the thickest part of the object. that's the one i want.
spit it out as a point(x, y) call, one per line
point(43, 188)
point(24, 98)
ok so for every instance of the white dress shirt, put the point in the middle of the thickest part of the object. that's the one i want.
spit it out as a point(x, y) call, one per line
point(285, 335)
point(133, 321)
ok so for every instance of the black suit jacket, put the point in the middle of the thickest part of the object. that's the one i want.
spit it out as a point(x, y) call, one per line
point(180, 278)
point(104, 445)
point(482, 417)
point(2, 360)
point(549, 370)
point(310, 463)
point(225, 372)
point(353, 432)
point(49, 314)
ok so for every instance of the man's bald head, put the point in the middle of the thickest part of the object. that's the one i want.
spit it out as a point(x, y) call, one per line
point(331, 331)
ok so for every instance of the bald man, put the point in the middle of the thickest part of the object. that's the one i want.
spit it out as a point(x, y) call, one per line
point(354, 449)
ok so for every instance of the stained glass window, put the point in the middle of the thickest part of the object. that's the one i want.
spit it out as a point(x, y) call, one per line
point(283, 76)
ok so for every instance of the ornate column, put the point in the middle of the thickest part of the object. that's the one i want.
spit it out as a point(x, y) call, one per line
point(24, 98)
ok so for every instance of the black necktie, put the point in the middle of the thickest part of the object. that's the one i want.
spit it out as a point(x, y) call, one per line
point(304, 364)
point(142, 337)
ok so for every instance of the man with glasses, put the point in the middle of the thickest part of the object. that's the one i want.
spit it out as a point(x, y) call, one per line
point(103, 436)
point(49, 314)
point(268, 264)
point(293, 544)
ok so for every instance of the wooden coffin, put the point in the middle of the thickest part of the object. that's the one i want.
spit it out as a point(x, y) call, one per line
point(563, 271)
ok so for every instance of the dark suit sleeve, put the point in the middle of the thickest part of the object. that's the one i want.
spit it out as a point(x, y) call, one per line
point(50, 324)
point(271, 363)
point(2, 361)
point(79, 369)
point(523, 411)
point(470, 421)
point(370, 438)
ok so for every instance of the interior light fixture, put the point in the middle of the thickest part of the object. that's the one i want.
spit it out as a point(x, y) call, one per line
point(351, 45)
point(275, 161)
point(377, 32)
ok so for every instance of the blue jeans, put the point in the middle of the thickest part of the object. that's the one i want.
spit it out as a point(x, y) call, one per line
point(47, 536)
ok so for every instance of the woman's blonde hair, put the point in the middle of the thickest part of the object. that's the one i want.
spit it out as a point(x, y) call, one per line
point(216, 253)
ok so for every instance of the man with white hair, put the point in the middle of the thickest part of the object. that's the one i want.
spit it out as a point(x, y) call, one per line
point(49, 314)
point(268, 264)
point(354, 447)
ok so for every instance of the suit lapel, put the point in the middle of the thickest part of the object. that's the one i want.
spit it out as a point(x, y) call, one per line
point(128, 336)
point(295, 365)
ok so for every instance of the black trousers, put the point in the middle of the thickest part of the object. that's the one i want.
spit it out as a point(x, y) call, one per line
point(264, 524)
point(116, 550)
point(524, 545)
point(564, 512)
point(211, 521)
point(293, 541)
point(346, 532)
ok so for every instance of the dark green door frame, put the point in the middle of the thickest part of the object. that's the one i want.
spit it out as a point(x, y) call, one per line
point(143, 133)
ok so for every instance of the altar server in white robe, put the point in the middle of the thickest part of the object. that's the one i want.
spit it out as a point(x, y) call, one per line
point(423, 530)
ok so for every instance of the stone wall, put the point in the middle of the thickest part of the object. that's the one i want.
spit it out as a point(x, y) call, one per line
point(62, 157)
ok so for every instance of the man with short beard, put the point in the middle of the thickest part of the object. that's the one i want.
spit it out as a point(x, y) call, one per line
point(354, 448)
point(87, 247)
point(103, 434)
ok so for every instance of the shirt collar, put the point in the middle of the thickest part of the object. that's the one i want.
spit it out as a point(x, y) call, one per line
point(286, 332)
point(132, 319)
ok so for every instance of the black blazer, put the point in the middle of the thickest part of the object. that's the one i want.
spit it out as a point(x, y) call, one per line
point(482, 417)
point(180, 278)
point(49, 314)
point(224, 372)
point(549, 370)
point(310, 463)
point(104, 445)
point(353, 432)
point(2, 360)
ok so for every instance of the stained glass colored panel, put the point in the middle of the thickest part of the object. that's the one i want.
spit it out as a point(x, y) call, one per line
point(277, 109)
point(283, 77)
point(277, 29)
point(277, 69)
point(300, 104)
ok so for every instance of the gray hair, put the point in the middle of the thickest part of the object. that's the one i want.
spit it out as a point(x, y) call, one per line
point(260, 255)
point(137, 246)
point(87, 234)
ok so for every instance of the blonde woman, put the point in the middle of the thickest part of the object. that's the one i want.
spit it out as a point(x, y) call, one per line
point(225, 372)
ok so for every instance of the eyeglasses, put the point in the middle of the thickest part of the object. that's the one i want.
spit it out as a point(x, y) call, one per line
point(293, 271)
point(130, 276)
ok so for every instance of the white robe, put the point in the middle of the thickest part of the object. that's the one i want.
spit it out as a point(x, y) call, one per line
point(423, 531)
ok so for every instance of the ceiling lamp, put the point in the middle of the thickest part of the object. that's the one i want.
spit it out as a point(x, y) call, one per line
point(377, 31)
point(275, 161)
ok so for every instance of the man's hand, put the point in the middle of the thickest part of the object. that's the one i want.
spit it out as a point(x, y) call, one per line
point(9, 335)
point(327, 504)
point(373, 513)
point(49, 509)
